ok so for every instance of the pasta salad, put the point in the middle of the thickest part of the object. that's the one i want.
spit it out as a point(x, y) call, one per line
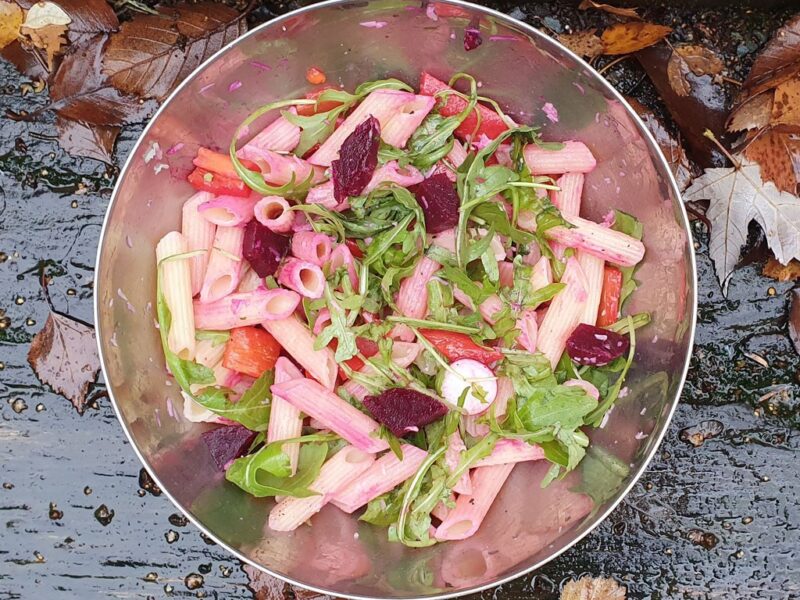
point(388, 298)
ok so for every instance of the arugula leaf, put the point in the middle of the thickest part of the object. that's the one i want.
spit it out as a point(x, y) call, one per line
point(625, 324)
point(384, 510)
point(215, 337)
point(268, 471)
point(316, 128)
point(338, 329)
point(556, 406)
point(602, 476)
point(252, 409)
point(630, 225)
point(493, 215)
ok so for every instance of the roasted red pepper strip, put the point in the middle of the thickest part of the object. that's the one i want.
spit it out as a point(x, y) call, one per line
point(251, 350)
point(609, 297)
point(455, 346)
point(307, 110)
point(208, 181)
point(491, 124)
point(367, 347)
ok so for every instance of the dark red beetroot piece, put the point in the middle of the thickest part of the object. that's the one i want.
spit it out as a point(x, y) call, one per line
point(404, 411)
point(227, 443)
point(357, 160)
point(594, 346)
point(263, 248)
point(439, 201)
point(472, 36)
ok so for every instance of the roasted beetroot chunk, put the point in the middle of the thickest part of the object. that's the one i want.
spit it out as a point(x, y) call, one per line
point(263, 248)
point(357, 160)
point(404, 411)
point(439, 201)
point(594, 346)
point(228, 443)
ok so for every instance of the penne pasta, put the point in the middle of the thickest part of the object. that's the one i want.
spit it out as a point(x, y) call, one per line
point(404, 122)
point(322, 194)
point(385, 474)
point(505, 391)
point(593, 268)
point(176, 286)
point(585, 386)
point(470, 510)
point(312, 247)
point(278, 136)
point(280, 169)
point(227, 211)
point(274, 213)
point(344, 467)
point(542, 274)
point(602, 242)
point(298, 341)
point(285, 421)
point(305, 278)
point(391, 172)
point(412, 299)
point(511, 451)
point(249, 281)
point(337, 415)
point(245, 308)
point(528, 326)
point(225, 265)
point(342, 257)
point(564, 313)
point(207, 353)
point(574, 157)
point(567, 199)
point(199, 235)
point(452, 456)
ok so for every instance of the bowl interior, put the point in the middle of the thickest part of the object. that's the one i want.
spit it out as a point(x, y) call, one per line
point(353, 42)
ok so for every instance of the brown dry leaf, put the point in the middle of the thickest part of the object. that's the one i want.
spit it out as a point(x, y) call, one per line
point(753, 114)
point(151, 54)
point(691, 58)
point(10, 20)
point(264, 586)
point(624, 38)
point(84, 139)
point(593, 588)
point(583, 43)
point(778, 153)
point(776, 270)
point(64, 356)
point(786, 104)
point(27, 63)
point(778, 61)
point(50, 38)
point(620, 12)
point(79, 90)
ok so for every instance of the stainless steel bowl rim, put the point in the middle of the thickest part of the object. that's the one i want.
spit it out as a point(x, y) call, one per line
point(665, 171)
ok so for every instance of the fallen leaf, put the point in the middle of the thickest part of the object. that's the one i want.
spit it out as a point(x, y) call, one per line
point(151, 54)
point(776, 270)
point(30, 64)
point(778, 61)
point(753, 114)
point(593, 588)
point(44, 14)
point(304, 594)
point(693, 58)
point(79, 90)
point(264, 586)
point(10, 20)
point(84, 139)
point(64, 356)
point(624, 38)
point(620, 12)
point(794, 319)
point(682, 168)
point(778, 154)
point(583, 43)
point(50, 38)
point(738, 195)
point(706, 107)
point(786, 104)
point(88, 17)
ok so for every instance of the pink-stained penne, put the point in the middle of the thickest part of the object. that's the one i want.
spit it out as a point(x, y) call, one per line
point(505, 390)
point(339, 471)
point(381, 104)
point(511, 451)
point(490, 307)
point(208, 352)
point(385, 473)
point(274, 213)
point(322, 194)
point(305, 278)
point(322, 321)
point(593, 268)
point(400, 126)
point(452, 456)
point(280, 169)
point(465, 519)
point(176, 285)
point(225, 265)
point(567, 199)
point(506, 273)
point(285, 421)
point(298, 341)
point(278, 136)
point(312, 247)
point(503, 155)
point(342, 257)
point(227, 211)
point(457, 154)
point(584, 385)
point(403, 354)
point(528, 326)
point(245, 308)
point(391, 172)
point(339, 416)
point(199, 235)
point(446, 240)
point(441, 510)
point(574, 157)
point(249, 281)
point(603, 242)
point(541, 274)
point(412, 299)
point(564, 314)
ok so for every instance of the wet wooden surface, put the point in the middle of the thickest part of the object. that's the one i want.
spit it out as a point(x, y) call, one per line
point(717, 515)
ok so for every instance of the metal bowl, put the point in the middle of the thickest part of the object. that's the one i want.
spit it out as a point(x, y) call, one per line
point(522, 69)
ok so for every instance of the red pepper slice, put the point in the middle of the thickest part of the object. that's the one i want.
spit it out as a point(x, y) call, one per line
point(208, 181)
point(251, 350)
point(367, 347)
point(307, 110)
point(455, 346)
point(609, 297)
point(491, 123)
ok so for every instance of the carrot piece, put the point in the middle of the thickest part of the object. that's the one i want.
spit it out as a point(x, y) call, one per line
point(251, 350)
point(315, 76)
point(609, 297)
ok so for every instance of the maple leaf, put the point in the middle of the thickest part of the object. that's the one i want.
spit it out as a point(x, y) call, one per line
point(624, 38)
point(10, 21)
point(583, 43)
point(738, 195)
point(593, 588)
point(64, 356)
point(691, 58)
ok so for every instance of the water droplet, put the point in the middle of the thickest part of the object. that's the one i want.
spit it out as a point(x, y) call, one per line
point(103, 515)
point(30, 322)
point(147, 484)
point(194, 581)
point(18, 405)
point(40, 407)
point(747, 520)
point(54, 513)
point(39, 557)
point(178, 520)
point(168, 589)
point(702, 538)
point(151, 577)
point(7, 485)
point(172, 536)
point(19, 300)
point(205, 568)
point(696, 435)
point(87, 491)
point(71, 291)
point(225, 571)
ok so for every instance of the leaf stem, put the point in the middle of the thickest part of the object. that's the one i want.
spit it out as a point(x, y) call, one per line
point(710, 135)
